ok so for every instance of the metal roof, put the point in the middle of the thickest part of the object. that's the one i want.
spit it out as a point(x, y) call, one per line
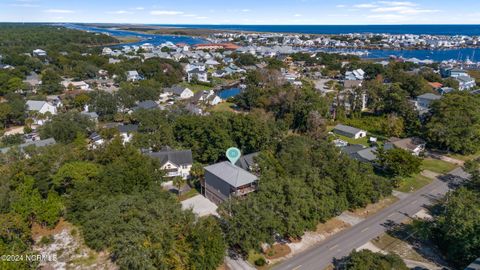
point(231, 174)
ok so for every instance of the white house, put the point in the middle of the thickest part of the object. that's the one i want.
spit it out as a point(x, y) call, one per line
point(201, 76)
point(133, 76)
point(465, 83)
point(39, 52)
point(182, 92)
point(107, 51)
point(41, 107)
point(174, 163)
point(79, 85)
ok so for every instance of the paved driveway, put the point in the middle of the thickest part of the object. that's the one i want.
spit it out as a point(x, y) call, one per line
point(200, 205)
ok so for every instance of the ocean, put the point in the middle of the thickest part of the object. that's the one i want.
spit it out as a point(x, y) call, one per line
point(448, 30)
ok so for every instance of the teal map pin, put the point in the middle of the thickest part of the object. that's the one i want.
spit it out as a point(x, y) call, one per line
point(233, 154)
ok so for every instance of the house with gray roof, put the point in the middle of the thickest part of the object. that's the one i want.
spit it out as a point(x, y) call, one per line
point(175, 163)
point(146, 105)
point(248, 162)
point(424, 101)
point(127, 131)
point(360, 152)
point(349, 131)
point(225, 180)
point(40, 143)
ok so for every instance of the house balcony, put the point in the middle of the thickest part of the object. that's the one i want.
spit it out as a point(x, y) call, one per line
point(244, 191)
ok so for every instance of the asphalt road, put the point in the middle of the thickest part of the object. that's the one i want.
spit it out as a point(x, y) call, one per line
point(341, 244)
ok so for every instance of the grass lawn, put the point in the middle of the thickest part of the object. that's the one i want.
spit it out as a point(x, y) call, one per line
point(223, 107)
point(438, 166)
point(391, 244)
point(189, 194)
point(253, 256)
point(465, 157)
point(195, 87)
point(362, 141)
point(416, 182)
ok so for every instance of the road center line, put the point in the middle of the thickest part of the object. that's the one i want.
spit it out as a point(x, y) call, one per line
point(333, 247)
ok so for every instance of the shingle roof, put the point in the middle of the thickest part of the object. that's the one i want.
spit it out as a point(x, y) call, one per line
point(182, 157)
point(147, 105)
point(231, 174)
point(430, 96)
point(247, 161)
point(127, 128)
point(35, 105)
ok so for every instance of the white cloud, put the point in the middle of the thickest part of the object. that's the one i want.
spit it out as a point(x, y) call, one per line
point(201, 17)
point(398, 3)
point(189, 15)
point(297, 15)
point(365, 6)
point(60, 11)
point(119, 12)
point(403, 10)
point(139, 8)
point(166, 12)
point(341, 6)
point(245, 10)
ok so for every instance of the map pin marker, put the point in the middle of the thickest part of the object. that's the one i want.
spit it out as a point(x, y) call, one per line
point(233, 154)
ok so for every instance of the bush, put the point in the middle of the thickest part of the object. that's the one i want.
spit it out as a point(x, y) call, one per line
point(260, 262)
point(46, 240)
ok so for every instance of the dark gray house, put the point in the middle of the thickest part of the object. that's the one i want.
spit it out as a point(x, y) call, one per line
point(225, 180)
point(247, 162)
point(360, 152)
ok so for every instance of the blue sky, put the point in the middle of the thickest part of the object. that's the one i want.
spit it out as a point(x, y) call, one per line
point(243, 11)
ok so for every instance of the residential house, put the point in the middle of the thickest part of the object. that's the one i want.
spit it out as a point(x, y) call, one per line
point(465, 82)
point(196, 74)
point(39, 53)
point(181, 92)
point(360, 152)
point(424, 101)
point(91, 115)
point(33, 80)
point(225, 180)
point(41, 107)
point(349, 131)
point(95, 140)
point(127, 132)
point(206, 97)
point(146, 105)
point(414, 145)
point(41, 143)
point(133, 76)
point(248, 162)
point(79, 85)
point(356, 75)
point(445, 90)
point(175, 163)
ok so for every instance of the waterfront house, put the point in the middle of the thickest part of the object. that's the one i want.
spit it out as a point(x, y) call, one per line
point(349, 131)
point(175, 163)
point(225, 180)
point(465, 83)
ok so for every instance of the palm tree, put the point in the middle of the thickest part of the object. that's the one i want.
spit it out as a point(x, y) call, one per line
point(179, 182)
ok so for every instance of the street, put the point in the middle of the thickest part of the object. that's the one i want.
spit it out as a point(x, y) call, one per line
point(343, 243)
